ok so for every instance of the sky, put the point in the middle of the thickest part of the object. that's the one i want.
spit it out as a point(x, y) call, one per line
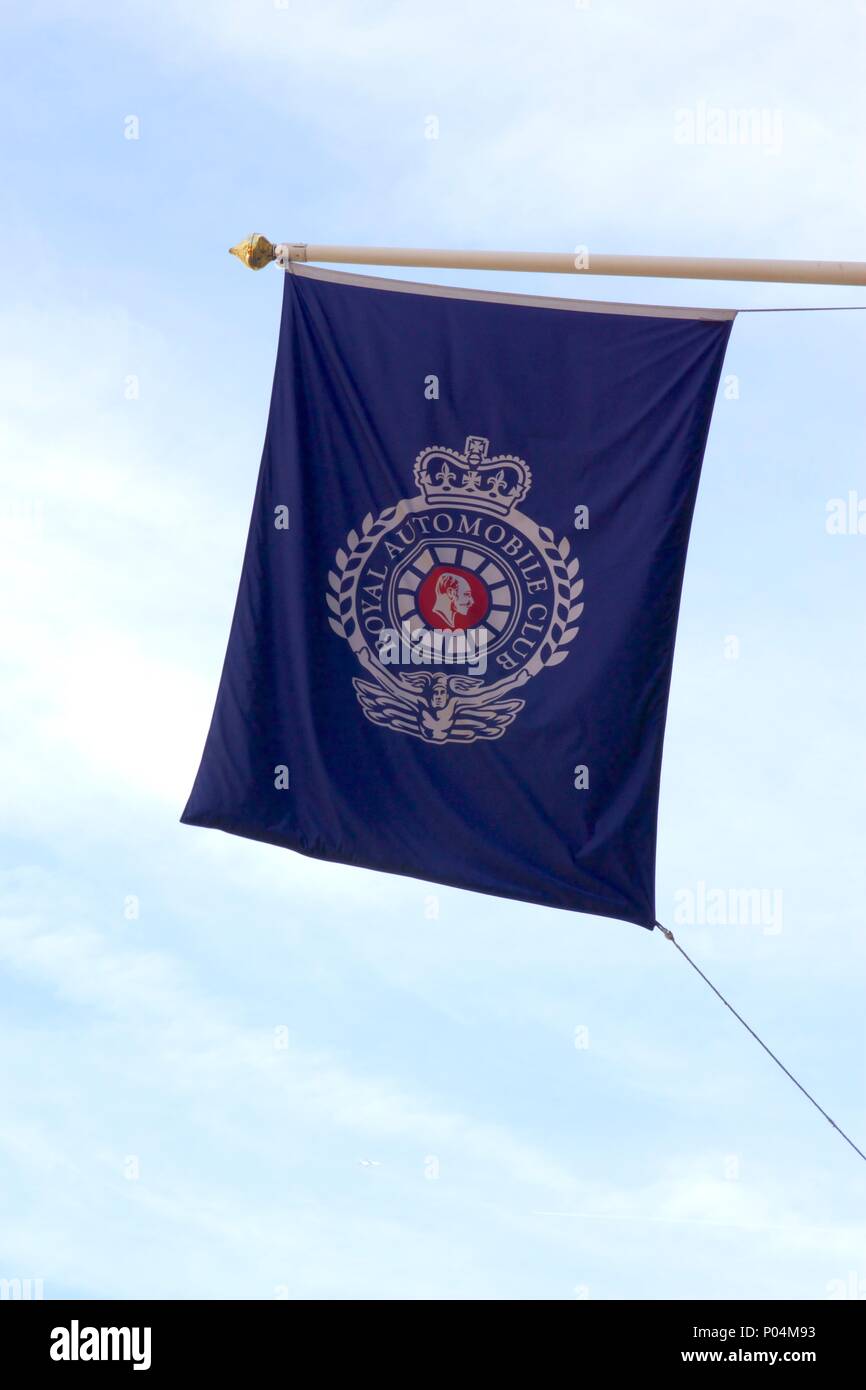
point(232, 1072)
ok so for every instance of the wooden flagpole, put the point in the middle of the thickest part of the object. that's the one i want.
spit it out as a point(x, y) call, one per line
point(257, 252)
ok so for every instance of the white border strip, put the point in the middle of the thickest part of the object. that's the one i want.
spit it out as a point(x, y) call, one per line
point(531, 301)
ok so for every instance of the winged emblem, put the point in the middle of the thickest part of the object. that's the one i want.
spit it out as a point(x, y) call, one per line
point(435, 707)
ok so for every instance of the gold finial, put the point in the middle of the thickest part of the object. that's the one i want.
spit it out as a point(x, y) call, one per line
point(255, 252)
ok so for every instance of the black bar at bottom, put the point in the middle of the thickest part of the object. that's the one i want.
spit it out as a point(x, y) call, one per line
point(221, 1338)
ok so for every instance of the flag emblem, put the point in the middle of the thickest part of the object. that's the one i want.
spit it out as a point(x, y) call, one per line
point(458, 580)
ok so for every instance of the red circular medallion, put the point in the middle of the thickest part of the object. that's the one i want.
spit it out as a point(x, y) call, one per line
point(452, 598)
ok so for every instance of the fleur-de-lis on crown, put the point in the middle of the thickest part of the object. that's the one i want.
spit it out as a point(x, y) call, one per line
point(446, 475)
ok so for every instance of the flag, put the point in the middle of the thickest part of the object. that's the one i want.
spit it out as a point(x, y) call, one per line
point(451, 651)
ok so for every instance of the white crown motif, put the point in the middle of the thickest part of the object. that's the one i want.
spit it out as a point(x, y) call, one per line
point(494, 485)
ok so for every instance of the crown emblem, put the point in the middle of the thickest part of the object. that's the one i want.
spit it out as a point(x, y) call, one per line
point(494, 485)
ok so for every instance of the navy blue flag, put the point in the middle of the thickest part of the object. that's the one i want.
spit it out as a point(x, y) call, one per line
point(452, 645)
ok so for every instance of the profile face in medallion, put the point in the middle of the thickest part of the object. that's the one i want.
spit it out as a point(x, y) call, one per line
point(452, 598)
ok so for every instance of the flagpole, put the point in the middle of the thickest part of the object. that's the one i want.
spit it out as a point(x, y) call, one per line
point(256, 251)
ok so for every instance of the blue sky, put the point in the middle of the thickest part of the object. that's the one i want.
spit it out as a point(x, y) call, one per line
point(284, 1079)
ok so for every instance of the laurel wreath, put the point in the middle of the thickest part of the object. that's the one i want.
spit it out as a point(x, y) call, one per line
point(569, 587)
